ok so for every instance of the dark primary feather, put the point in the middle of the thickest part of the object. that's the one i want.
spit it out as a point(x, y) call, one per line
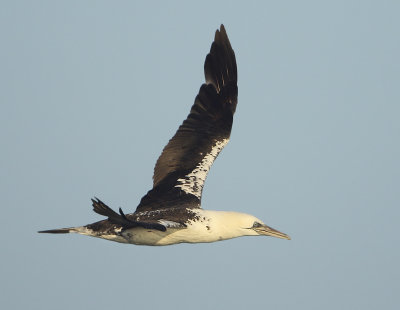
point(209, 121)
point(121, 219)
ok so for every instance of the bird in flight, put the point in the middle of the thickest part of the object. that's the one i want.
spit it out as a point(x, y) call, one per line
point(171, 212)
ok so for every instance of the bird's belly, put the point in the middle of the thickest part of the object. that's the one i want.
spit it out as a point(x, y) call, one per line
point(190, 234)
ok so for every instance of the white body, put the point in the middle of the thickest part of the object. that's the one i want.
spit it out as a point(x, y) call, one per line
point(210, 227)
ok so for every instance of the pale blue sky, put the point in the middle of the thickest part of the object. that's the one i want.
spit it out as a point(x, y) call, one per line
point(91, 91)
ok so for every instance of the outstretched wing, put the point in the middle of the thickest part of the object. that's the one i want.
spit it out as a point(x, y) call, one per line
point(183, 166)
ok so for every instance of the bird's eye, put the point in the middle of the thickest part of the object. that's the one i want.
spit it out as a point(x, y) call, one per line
point(257, 224)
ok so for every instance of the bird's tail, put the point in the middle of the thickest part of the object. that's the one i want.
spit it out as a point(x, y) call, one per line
point(62, 230)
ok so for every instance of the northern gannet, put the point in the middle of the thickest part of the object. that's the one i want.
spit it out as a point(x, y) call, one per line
point(171, 211)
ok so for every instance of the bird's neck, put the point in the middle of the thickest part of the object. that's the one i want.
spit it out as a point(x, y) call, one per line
point(224, 224)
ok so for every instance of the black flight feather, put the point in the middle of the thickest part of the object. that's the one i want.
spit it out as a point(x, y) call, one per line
point(121, 219)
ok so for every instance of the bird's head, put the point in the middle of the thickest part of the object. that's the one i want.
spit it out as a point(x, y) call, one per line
point(259, 228)
point(249, 225)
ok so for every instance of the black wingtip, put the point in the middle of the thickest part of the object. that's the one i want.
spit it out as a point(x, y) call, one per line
point(123, 215)
point(220, 65)
point(121, 219)
point(221, 31)
point(101, 208)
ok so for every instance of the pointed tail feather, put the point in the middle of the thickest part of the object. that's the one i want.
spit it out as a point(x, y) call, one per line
point(58, 231)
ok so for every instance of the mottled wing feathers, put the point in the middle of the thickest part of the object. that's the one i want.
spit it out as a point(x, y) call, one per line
point(181, 170)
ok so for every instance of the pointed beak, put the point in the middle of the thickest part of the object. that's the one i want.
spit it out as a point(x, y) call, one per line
point(268, 231)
